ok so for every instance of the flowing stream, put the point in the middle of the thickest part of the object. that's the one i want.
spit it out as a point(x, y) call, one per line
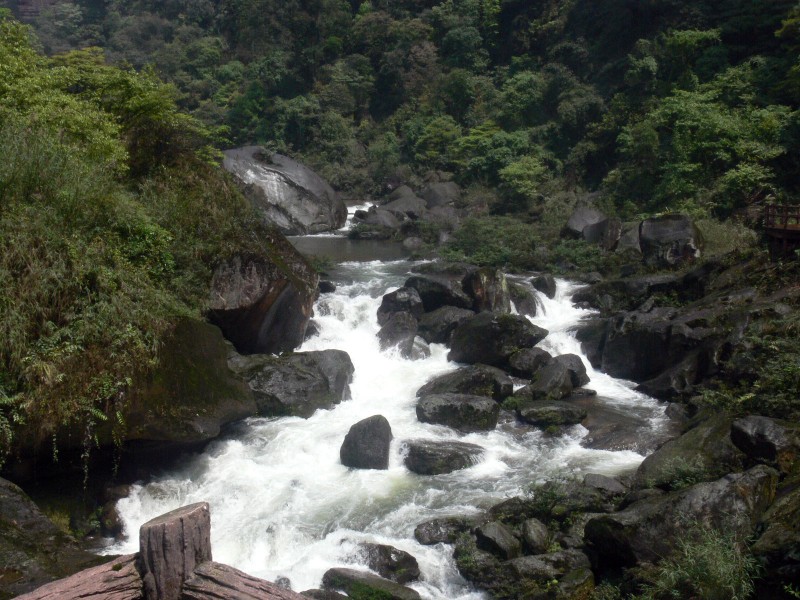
point(282, 505)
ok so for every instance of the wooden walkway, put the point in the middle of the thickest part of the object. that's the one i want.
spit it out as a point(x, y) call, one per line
point(782, 226)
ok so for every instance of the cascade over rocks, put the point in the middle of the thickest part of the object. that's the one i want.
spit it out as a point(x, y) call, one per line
point(575, 368)
point(650, 529)
point(445, 530)
point(546, 284)
point(399, 329)
point(366, 445)
point(296, 384)
point(461, 286)
point(264, 305)
point(476, 380)
point(287, 193)
point(430, 457)
point(460, 411)
point(491, 338)
point(524, 300)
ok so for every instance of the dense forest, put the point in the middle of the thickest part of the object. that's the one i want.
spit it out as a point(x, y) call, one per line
point(658, 104)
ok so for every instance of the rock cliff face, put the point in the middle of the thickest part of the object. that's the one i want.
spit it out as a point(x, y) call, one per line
point(287, 194)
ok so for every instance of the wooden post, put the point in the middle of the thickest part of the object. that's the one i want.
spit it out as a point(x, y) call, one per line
point(171, 546)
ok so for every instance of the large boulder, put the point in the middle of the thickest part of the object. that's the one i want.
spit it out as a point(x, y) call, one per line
point(366, 445)
point(190, 395)
point(476, 380)
point(551, 382)
point(525, 300)
point(770, 441)
point(576, 368)
point(389, 562)
point(703, 453)
point(491, 338)
point(546, 284)
point(581, 218)
point(498, 539)
point(296, 384)
point(441, 285)
point(652, 528)
point(550, 413)
point(670, 240)
point(286, 193)
point(407, 207)
point(430, 457)
point(605, 233)
point(364, 585)
point(33, 550)
point(401, 300)
point(444, 530)
point(263, 304)
point(460, 411)
point(527, 362)
point(437, 325)
point(436, 195)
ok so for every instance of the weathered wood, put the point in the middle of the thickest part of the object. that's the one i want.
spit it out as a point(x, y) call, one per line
point(116, 580)
point(213, 580)
point(171, 547)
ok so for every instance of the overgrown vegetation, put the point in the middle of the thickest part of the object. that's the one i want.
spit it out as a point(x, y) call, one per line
point(110, 222)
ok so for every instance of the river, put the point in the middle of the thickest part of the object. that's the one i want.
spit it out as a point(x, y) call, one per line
point(282, 505)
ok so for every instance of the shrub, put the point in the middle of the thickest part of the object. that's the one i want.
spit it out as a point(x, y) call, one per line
point(493, 241)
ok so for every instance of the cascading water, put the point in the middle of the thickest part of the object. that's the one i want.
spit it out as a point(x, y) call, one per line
point(282, 504)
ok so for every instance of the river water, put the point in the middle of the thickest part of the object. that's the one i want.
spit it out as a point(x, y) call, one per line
point(282, 505)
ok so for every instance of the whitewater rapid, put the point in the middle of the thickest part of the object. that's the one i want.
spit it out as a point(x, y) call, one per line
point(282, 505)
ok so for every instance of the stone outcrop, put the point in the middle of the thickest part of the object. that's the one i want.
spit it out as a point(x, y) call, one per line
point(475, 380)
point(429, 457)
point(670, 240)
point(262, 304)
point(351, 581)
point(491, 338)
point(213, 580)
point(296, 384)
point(460, 411)
point(286, 193)
point(366, 445)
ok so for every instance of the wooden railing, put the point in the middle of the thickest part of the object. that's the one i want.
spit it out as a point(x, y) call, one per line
point(781, 216)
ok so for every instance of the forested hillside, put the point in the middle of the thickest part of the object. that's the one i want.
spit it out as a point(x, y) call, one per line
point(659, 104)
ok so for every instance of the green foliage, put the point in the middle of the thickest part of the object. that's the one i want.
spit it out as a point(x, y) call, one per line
point(679, 474)
point(493, 241)
point(708, 564)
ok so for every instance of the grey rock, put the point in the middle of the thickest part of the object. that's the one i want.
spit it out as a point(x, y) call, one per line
point(366, 445)
point(488, 289)
point(444, 530)
point(535, 536)
point(772, 441)
point(491, 338)
point(605, 233)
point(401, 300)
point(399, 329)
point(575, 367)
point(496, 538)
point(670, 240)
point(527, 362)
point(389, 562)
point(436, 326)
point(460, 411)
point(553, 381)
point(351, 581)
point(429, 457)
point(525, 301)
point(441, 194)
point(546, 413)
point(580, 219)
point(546, 284)
point(476, 380)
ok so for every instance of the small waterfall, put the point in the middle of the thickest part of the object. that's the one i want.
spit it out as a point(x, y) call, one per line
point(283, 505)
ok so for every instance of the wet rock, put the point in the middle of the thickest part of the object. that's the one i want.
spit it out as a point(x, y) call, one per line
point(390, 563)
point(778, 546)
point(524, 300)
point(323, 595)
point(527, 362)
point(440, 289)
point(263, 304)
point(670, 240)
point(286, 193)
point(215, 580)
point(575, 367)
point(547, 413)
point(312, 330)
point(419, 349)
point(489, 290)
point(366, 445)
point(413, 244)
point(401, 300)
point(444, 530)
point(296, 384)
point(771, 441)
point(360, 584)
point(629, 239)
point(399, 330)
point(459, 411)
point(496, 538)
point(192, 394)
point(553, 381)
point(592, 336)
point(535, 536)
point(580, 219)
point(326, 287)
point(650, 529)
point(475, 380)
point(491, 338)
point(429, 457)
point(703, 453)
point(33, 550)
point(604, 484)
point(545, 284)
point(436, 326)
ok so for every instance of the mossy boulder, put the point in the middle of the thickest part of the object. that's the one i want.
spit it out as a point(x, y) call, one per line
point(475, 380)
point(491, 338)
point(361, 585)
